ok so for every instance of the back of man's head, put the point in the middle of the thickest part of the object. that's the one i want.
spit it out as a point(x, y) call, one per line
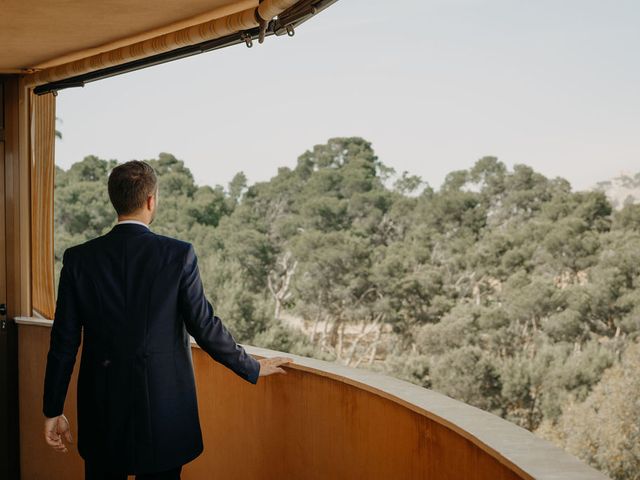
point(130, 184)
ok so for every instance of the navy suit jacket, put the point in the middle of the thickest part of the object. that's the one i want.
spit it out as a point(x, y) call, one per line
point(135, 297)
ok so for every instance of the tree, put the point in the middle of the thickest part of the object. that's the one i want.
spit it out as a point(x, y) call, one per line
point(604, 429)
point(503, 288)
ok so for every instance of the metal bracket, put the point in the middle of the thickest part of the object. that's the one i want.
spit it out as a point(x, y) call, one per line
point(247, 39)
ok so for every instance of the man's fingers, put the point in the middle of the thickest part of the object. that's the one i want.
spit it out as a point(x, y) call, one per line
point(56, 430)
point(52, 438)
point(272, 365)
point(60, 446)
point(56, 445)
point(277, 361)
point(282, 360)
point(51, 442)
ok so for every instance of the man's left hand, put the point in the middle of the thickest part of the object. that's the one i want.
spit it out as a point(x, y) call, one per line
point(54, 429)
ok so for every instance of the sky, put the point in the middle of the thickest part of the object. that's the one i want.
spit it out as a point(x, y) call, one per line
point(434, 85)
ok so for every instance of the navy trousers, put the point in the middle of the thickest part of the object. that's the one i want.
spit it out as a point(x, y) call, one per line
point(99, 472)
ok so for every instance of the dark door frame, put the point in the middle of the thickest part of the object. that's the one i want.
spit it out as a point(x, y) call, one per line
point(9, 415)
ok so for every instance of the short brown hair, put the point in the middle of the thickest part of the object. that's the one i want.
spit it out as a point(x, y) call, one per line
point(130, 184)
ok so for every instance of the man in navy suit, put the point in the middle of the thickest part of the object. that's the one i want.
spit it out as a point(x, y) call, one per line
point(136, 298)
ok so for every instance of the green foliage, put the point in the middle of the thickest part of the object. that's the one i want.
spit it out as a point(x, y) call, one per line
point(604, 428)
point(468, 374)
point(81, 199)
point(628, 218)
point(504, 289)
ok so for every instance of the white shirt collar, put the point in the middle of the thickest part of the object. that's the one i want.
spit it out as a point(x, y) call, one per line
point(133, 221)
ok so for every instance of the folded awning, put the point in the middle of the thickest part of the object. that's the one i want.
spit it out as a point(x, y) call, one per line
point(52, 42)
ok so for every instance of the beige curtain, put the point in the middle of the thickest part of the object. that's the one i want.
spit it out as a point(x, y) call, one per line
point(42, 120)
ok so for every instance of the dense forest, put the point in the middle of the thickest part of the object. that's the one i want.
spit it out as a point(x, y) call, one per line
point(502, 288)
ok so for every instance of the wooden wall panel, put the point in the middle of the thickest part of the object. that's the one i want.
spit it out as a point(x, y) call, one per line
point(302, 425)
point(308, 426)
point(37, 460)
point(42, 134)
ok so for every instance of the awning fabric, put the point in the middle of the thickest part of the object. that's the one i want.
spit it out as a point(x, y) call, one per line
point(50, 41)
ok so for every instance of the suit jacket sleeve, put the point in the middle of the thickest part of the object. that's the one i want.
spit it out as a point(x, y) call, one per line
point(64, 342)
point(206, 328)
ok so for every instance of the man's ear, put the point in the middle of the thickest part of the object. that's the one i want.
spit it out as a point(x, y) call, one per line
point(151, 200)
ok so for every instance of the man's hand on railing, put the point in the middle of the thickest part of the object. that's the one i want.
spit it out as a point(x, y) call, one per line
point(54, 428)
point(269, 366)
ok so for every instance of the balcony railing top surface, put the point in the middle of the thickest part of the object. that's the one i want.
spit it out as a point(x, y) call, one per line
point(505, 441)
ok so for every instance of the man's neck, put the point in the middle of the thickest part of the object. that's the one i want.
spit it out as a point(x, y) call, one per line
point(133, 219)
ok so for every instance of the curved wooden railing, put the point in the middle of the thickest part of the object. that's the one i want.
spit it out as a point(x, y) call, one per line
point(320, 421)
